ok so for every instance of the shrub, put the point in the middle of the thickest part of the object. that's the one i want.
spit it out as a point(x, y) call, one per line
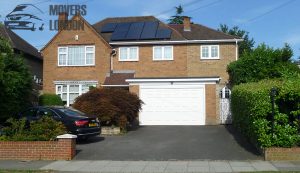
point(50, 100)
point(262, 63)
point(251, 110)
point(44, 129)
point(112, 106)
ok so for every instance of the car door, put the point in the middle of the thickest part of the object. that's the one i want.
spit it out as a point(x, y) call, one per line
point(30, 114)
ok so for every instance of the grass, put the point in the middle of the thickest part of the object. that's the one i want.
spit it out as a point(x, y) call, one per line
point(274, 172)
point(25, 171)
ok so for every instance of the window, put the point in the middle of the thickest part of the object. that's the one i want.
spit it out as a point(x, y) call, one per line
point(46, 112)
point(30, 114)
point(128, 54)
point(69, 92)
point(76, 56)
point(210, 52)
point(163, 53)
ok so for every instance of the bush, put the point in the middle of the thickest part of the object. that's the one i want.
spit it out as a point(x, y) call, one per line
point(112, 106)
point(50, 100)
point(44, 129)
point(262, 63)
point(251, 110)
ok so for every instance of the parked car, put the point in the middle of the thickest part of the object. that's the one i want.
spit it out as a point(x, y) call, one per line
point(1, 132)
point(75, 121)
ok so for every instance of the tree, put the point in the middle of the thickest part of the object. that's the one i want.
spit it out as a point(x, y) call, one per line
point(263, 62)
point(178, 18)
point(244, 46)
point(15, 82)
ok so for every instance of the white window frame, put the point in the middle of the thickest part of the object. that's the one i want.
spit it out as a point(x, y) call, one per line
point(67, 55)
point(209, 52)
point(163, 58)
point(128, 54)
point(68, 90)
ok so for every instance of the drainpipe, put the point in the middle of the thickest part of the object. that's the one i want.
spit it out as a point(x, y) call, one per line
point(236, 49)
point(112, 54)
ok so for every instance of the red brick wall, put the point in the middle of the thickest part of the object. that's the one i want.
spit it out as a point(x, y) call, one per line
point(63, 149)
point(276, 153)
point(52, 72)
point(146, 67)
point(198, 67)
point(210, 104)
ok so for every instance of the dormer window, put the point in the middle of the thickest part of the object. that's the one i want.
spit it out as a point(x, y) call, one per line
point(210, 52)
point(76, 56)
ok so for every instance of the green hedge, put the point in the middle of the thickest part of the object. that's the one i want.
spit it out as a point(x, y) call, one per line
point(252, 109)
point(50, 100)
point(44, 129)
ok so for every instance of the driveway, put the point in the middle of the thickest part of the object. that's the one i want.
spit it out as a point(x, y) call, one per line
point(170, 143)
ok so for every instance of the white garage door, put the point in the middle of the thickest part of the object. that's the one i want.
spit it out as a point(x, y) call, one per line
point(172, 105)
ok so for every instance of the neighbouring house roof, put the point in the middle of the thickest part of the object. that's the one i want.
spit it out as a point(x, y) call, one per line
point(198, 32)
point(18, 43)
point(118, 79)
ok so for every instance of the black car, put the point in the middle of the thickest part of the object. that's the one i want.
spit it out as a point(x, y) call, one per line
point(75, 121)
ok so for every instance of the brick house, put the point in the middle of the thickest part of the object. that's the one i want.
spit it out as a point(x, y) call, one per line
point(177, 70)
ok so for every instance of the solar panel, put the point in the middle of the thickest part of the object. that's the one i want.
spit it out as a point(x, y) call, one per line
point(135, 31)
point(110, 27)
point(149, 30)
point(121, 31)
point(163, 33)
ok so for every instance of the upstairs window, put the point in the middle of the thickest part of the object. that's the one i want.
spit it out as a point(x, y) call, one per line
point(128, 54)
point(162, 53)
point(210, 52)
point(76, 56)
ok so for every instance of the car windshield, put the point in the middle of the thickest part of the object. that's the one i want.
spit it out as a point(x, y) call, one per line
point(72, 113)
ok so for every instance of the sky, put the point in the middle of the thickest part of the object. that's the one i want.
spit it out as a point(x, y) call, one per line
point(273, 22)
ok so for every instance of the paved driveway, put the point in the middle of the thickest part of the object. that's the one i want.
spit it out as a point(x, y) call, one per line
point(170, 143)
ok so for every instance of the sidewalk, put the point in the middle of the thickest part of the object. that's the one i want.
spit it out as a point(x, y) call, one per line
point(152, 166)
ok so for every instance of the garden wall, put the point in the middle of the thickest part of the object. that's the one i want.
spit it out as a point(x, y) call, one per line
point(277, 153)
point(62, 149)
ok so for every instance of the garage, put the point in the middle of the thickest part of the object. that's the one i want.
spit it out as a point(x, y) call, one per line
point(176, 101)
point(172, 104)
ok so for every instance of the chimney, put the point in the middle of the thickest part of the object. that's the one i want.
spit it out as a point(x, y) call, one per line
point(186, 23)
point(62, 20)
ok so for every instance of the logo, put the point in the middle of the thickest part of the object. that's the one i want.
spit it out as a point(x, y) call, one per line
point(23, 17)
point(63, 23)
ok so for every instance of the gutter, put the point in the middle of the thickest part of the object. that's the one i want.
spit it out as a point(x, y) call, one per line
point(236, 49)
point(175, 42)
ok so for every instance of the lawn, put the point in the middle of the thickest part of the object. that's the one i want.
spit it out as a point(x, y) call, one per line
point(25, 171)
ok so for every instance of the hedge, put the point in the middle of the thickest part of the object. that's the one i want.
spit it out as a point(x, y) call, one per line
point(44, 129)
point(50, 100)
point(252, 112)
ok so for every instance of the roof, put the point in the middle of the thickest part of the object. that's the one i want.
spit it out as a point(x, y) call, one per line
point(77, 17)
point(18, 43)
point(118, 79)
point(198, 32)
point(98, 26)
